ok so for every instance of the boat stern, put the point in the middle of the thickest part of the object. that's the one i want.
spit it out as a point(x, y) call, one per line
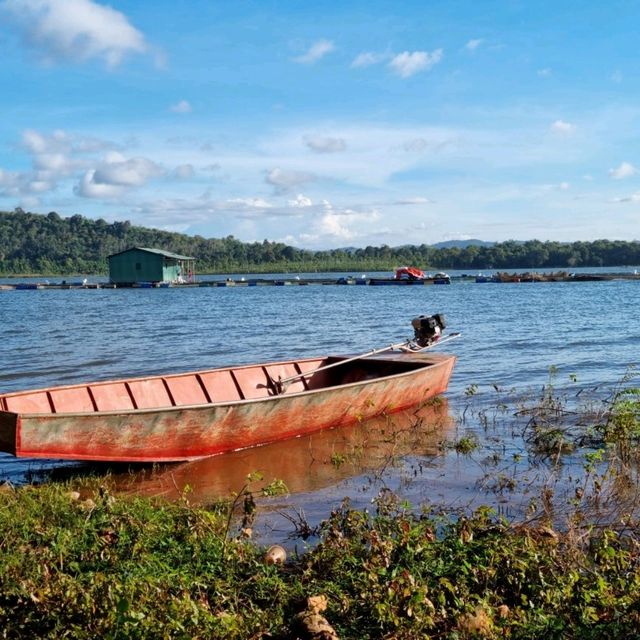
point(9, 427)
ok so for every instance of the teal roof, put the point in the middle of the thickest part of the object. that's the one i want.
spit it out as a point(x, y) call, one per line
point(161, 252)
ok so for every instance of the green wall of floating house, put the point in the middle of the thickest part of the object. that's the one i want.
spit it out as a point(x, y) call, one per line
point(144, 265)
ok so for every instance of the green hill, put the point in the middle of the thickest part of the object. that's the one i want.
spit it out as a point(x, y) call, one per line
point(50, 244)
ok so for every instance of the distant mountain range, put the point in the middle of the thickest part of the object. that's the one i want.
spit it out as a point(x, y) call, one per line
point(447, 244)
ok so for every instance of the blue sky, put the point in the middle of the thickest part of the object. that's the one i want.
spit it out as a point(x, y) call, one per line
point(326, 124)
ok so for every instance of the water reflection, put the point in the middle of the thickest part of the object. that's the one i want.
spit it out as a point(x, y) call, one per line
point(304, 464)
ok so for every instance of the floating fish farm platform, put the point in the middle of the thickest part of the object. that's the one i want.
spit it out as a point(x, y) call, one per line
point(502, 278)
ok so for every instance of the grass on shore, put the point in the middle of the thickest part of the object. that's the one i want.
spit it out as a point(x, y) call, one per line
point(135, 568)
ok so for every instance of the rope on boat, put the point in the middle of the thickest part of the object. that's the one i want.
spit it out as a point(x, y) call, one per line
point(408, 346)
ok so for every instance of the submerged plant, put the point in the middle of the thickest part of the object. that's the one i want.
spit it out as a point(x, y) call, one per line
point(622, 427)
point(465, 444)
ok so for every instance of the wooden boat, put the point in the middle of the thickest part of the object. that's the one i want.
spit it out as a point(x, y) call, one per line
point(193, 415)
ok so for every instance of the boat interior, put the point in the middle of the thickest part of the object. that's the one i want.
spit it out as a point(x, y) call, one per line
point(202, 388)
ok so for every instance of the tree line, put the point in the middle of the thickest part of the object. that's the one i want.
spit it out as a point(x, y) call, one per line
point(50, 244)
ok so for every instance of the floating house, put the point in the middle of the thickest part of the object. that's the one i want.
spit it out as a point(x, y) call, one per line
point(140, 265)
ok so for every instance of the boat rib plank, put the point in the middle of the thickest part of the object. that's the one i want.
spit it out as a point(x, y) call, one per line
point(37, 402)
point(71, 400)
point(204, 388)
point(112, 396)
point(93, 400)
point(150, 393)
point(253, 382)
point(221, 386)
point(131, 396)
point(186, 390)
point(168, 390)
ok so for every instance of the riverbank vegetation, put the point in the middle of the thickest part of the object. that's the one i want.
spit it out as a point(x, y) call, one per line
point(78, 560)
point(32, 244)
point(95, 566)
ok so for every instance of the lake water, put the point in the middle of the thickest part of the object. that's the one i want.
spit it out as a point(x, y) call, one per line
point(511, 335)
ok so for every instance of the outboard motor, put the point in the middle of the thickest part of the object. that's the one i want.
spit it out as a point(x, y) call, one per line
point(428, 329)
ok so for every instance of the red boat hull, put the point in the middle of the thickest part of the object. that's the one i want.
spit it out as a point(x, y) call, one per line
point(325, 399)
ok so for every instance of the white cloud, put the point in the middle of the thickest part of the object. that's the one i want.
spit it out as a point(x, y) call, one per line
point(127, 173)
point(368, 58)
point(331, 225)
point(284, 180)
point(562, 128)
point(625, 170)
point(472, 45)
point(74, 30)
point(184, 106)
point(39, 186)
point(414, 200)
point(54, 156)
point(246, 204)
point(544, 73)
point(116, 175)
point(407, 64)
point(52, 162)
point(617, 76)
point(317, 51)
point(35, 142)
point(14, 183)
point(322, 224)
point(58, 153)
point(336, 224)
point(301, 202)
point(325, 145)
point(88, 187)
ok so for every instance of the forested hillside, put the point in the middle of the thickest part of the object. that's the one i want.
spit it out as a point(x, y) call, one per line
point(50, 244)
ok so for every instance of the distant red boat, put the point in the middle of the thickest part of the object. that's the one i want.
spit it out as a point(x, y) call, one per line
point(411, 276)
point(192, 415)
point(410, 273)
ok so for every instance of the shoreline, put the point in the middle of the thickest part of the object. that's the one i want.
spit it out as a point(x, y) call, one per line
point(497, 278)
